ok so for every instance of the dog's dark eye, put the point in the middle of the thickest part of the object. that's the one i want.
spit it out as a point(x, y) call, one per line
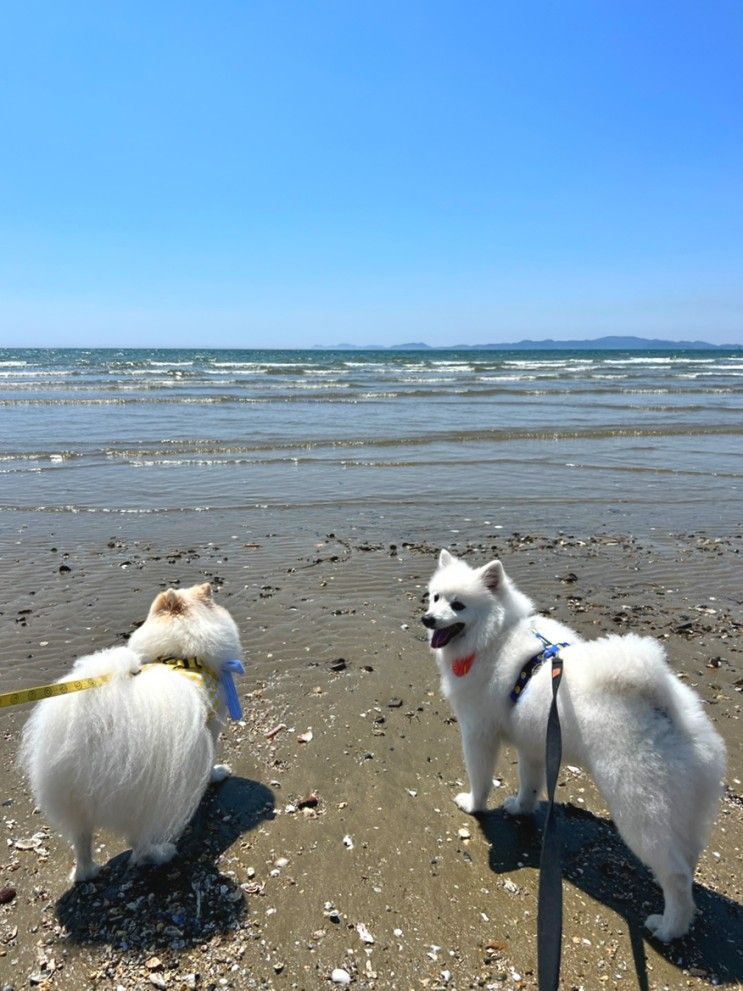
point(458, 606)
point(436, 598)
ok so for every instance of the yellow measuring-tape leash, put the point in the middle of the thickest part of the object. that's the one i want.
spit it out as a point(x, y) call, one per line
point(188, 667)
point(49, 691)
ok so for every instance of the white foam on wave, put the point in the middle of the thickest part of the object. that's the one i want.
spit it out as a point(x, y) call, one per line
point(260, 365)
point(547, 364)
point(146, 385)
point(140, 371)
point(233, 370)
point(645, 392)
point(12, 364)
point(172, 364)
point(280, 386)
point(418, 380)
point(28, 456)
point(637, 361)
point(675, 360)
point(36, 372)
point(506, 378)
point(721, 368)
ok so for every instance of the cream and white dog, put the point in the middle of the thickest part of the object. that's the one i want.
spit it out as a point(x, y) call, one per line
point(625, 717)
point(135, 754)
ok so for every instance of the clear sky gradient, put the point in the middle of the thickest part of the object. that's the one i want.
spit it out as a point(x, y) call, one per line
point(292, 173)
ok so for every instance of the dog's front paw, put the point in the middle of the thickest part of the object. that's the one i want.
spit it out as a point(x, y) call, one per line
point(662, 930)
point(466, 802)
point(220, 772)
point(84, 873)
point(514, 806)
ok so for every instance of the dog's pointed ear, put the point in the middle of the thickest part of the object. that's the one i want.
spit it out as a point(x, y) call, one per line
point(493, 576)
point(167, 602)
point(204, 592)
point(445, 558)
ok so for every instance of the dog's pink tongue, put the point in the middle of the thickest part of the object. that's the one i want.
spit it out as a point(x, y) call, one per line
point(440, 638)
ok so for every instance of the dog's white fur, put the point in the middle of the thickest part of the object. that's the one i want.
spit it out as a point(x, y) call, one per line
point(625, 717)
point(134, 755)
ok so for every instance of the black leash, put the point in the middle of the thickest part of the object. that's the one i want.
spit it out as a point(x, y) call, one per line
point(549, 915)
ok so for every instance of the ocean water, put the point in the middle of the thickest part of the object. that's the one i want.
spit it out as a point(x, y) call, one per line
point(577, 440)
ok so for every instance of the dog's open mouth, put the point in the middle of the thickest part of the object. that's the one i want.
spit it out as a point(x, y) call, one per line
point(442, 637)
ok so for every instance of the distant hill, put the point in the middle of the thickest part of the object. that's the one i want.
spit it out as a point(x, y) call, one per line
point(597, 344)
point(413, 346)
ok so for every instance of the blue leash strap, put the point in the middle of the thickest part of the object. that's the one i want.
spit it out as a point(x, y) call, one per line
point(228, 685)
point(549, 915)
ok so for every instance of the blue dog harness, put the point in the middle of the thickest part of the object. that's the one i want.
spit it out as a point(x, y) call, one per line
point(525, 675)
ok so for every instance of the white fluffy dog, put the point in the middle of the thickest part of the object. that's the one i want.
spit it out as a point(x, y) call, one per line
point(643, 735)
point(135, 755)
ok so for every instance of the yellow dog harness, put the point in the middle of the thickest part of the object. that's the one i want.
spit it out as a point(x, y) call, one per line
point(196, 672)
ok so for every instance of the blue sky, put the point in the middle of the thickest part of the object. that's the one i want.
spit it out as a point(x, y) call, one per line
point(250, 174)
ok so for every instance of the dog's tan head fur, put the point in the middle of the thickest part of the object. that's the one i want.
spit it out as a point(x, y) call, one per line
point(187, 622)
point(177, 602)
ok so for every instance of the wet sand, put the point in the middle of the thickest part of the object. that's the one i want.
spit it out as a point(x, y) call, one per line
point(347, 851)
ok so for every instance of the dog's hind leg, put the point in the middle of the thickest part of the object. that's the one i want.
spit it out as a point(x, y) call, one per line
point(678, 910)
point(85, 869)
point(480, 754)
point(152, 853)
point(654, 828)
point(219, 772)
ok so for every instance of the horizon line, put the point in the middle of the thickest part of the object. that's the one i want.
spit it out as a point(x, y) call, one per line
point(620, 342)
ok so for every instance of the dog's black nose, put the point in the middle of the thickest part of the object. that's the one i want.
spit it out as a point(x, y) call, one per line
point(428, 621)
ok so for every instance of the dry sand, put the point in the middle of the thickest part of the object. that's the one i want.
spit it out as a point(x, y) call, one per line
point(347, 851)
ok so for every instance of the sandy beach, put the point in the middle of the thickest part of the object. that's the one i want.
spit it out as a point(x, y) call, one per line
point(347, 851)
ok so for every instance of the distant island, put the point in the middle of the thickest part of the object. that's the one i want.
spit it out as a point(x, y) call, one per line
point(597, 344)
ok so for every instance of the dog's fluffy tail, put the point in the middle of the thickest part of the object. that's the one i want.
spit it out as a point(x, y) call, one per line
point(635, 666)
point(622, 664)
point(628, 664)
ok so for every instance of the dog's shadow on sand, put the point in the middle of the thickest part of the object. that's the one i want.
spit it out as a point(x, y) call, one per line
point(183, 903)
point(595, 859)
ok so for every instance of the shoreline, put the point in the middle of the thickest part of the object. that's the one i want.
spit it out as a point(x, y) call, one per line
point(384, 763)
